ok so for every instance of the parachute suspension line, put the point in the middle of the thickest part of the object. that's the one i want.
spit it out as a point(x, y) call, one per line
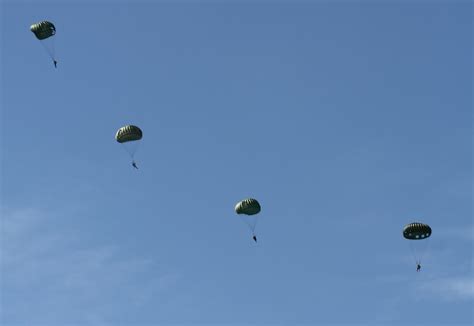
point(246, 220)
point(419, 249)
point(424, 249)
point(53, 49)
point(48, 50)
point(413, 251)
point(130, 153)
point(131, 148)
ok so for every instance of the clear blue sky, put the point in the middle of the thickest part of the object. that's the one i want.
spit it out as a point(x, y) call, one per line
point(346, 120)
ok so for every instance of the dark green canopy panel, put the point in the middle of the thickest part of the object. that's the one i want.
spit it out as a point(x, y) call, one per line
point(416, 231)
point(128, 133)
point(248, 206)
point(43, 30)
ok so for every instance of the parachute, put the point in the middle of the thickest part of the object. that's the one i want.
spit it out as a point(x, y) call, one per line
point(128, 136)
point(128, 133)
point(44, 31)
point(248, 206)
point(417, 231)
point(247, 209)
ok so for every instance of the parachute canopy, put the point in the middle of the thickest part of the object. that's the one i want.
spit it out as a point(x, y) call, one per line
point(43, 30)
point(248, 206)
point(416, 231)
point(128, 133)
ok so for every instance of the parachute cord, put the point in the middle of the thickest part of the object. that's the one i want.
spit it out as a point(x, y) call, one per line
point(131, 150)
point(412, 251)
point(250, 225)
point(54, 50)
point(50, 53)
point(424, 250)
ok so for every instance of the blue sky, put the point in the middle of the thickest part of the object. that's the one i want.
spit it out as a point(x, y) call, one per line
point(346, 120)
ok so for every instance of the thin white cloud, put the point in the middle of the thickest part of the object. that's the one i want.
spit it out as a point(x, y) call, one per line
point(449, 289)
point(465, 233)
point(48, 278)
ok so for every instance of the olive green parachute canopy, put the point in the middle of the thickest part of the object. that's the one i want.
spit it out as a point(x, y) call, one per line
point(416, 231)
point(43, 30)
point(248, 206)
point(128, 133)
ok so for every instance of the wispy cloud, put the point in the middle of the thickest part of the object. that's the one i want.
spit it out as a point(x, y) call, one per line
point(449, 289)
point(465, 233)
point(48, 278)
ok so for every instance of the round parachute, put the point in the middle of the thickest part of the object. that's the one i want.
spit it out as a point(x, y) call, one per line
point(127, 136)
point(128, 133)
point(43, 30)
point(247, 210)
point(416, 231)
point(248, 206)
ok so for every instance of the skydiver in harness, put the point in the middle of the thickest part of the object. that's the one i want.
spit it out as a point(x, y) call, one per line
point(55, 63)
point(254, 237)
point(418, 267)
point(134, 165)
